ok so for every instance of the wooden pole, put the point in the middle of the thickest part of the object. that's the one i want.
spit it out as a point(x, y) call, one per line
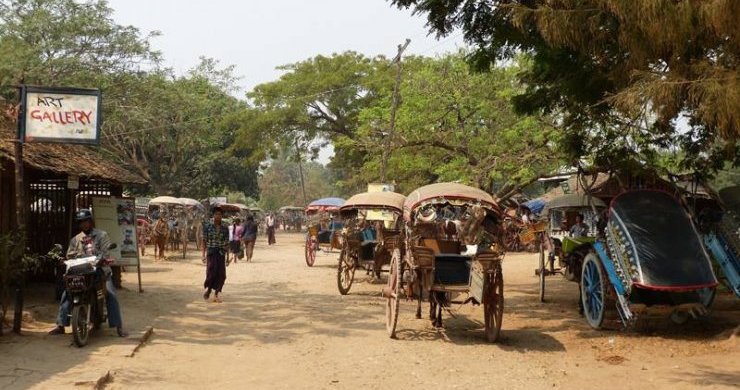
point(20, 209)
point(300, 171)
point(388, 144)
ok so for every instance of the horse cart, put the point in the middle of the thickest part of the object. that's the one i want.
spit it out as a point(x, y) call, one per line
point(371, 232)
point(324, 227)
point(720, 228)
point(559, 216)
point(451, 253)
point(292, 217)
point(647, 261)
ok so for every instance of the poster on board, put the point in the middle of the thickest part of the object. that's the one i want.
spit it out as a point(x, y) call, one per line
point(63, 115)
point(117, 217)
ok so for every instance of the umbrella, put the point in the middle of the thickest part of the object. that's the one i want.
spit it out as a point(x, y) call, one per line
point(327, 202)
point(535, 205)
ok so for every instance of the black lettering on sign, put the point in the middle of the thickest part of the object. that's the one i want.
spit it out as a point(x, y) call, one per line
point(49, 101)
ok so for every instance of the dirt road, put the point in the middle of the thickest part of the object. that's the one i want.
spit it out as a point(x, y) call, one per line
point(285, 326)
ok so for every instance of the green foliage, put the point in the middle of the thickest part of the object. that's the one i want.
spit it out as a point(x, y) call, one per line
point(13, 265)
point(457, 125)
point(618, 73)
point(172, 130)
point(315, 102)
point(280, 183)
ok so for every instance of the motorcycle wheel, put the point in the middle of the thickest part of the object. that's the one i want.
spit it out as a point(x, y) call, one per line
point(80, 325)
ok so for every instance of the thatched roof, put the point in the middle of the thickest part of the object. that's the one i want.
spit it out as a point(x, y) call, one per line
point(77, 160)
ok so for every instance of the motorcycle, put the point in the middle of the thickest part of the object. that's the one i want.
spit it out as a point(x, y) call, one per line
point(84, 282)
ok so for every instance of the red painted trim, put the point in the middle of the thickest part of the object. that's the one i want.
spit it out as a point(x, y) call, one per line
point(675, 288)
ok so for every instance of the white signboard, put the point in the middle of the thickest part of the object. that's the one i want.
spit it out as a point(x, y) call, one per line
point(62, 115)
point(117, 217)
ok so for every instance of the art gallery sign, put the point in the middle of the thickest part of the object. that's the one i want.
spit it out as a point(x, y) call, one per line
point(60, 115)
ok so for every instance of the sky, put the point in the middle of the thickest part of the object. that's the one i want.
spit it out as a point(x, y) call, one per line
point(256, 36)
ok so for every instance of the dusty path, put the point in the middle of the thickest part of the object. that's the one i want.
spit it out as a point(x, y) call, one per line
point(284, 325)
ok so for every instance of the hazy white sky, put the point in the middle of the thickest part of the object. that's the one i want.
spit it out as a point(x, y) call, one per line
point(257, 36)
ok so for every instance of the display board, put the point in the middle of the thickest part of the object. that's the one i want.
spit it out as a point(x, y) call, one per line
point(117, 217)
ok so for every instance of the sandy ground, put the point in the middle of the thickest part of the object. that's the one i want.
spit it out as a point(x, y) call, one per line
point(285, 326)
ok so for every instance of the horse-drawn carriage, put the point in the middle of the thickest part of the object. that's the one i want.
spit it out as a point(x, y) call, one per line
point(291, 217)
point(644, 258)
point(324, 227)
point(720, 227)
point(451, 251)
point(372, 228)
point(559, 217)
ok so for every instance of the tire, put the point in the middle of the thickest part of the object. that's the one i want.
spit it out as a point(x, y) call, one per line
point(493, 308)
point(345, 271)
point(310, 253)
point(394, 287)
point(707, 296)
point(680, 317)
point(80, 325)
point(593, 291)
point(543, 271)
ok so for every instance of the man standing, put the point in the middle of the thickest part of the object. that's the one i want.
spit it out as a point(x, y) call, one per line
point(91, 242)
point(215, 245)
point(270, 222)
point(249, 236)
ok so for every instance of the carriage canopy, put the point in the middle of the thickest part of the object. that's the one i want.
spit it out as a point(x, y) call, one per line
point(448, 192)
point(660, 239)
point(163, 200)
point(325, 204)
point(378, 200)
point(573, 201)
point(731, 198)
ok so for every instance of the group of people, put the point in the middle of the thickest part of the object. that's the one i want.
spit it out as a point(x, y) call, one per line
point(242, 237)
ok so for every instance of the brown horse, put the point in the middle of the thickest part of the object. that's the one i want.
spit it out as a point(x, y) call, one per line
point(160, 233)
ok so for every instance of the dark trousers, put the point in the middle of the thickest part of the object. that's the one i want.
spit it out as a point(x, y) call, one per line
point(215, 272)
point(270, 235)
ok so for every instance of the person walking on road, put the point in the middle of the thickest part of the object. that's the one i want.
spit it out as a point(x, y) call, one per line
point(236, 241)
point(249, 236)
point(270, 222)
point(215, 246)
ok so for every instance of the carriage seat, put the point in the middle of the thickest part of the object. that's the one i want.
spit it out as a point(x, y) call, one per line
point(441, 246)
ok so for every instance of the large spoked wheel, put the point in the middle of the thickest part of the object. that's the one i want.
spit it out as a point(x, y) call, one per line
point(593, 291)
point(80, 325)
point(345, 271)
point(543, 271)
point(393, 289)
point(310, 251)
point(493, 308)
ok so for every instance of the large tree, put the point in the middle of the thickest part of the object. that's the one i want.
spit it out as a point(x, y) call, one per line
point(315, 102)
point(626, 77)
point(458, 125)
point(172, 130)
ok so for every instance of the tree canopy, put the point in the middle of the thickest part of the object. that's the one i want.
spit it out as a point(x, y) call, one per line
point(626, 77)
point(172, 130)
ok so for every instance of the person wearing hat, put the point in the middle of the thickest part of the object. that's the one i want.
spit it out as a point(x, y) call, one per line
point(215, 245)
point(91, 242)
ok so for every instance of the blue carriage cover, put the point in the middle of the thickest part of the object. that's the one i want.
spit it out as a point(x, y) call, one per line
point(662, 242)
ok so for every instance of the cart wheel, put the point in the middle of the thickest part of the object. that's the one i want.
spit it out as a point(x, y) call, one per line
point(593, 291)
point(707, 296)
point(310, 252)
point(680, 317)
point(345, 271)
point(393, 289)
point(493, 309)
point(543, 271)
